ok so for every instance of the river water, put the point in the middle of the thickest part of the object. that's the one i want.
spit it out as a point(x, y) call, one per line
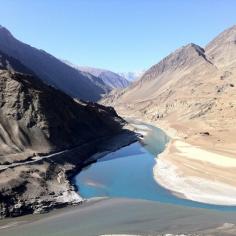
point(128, 173)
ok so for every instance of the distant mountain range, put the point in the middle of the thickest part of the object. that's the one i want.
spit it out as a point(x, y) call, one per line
point(111, 80)
point(53, 71)
point(132, 76)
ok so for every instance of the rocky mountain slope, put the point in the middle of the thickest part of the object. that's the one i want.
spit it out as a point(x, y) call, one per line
point(37, 119)
point(52, 70)
point(191, 84)
point(192, 95)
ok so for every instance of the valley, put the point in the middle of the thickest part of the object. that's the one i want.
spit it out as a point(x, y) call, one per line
point(88, 150)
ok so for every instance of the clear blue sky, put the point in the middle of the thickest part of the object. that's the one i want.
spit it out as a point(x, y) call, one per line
point(120, 35)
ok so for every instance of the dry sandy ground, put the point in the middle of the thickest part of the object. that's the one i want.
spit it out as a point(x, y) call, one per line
point(123, 217)
point(196, 168)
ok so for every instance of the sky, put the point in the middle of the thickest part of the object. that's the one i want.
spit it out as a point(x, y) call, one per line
point(119, 35)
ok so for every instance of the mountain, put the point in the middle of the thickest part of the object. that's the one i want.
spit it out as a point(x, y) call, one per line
point(191, 94)
point(52, 70)
point(165, 81)
point(110, 79)
point(45, 137)
point(40, 118)
point(132, 76)
point(189, 84)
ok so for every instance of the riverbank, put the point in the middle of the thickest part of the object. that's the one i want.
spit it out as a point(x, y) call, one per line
point(51, 178)
point(197, 173)
point(123, 217)
point(195, 170)
point(194, 167)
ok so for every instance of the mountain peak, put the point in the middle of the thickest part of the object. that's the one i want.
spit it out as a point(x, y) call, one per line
point(185, 53)
point(190, 48)
point(192, 45)
point(181, 58)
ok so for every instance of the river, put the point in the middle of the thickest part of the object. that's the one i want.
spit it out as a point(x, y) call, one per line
point(128, 172)
point(134, 204)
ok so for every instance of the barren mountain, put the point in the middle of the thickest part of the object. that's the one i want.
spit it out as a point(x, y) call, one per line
point(52, 70)
point(191, 92)
point(37, 120)
point(191, 84)
point(38, 117)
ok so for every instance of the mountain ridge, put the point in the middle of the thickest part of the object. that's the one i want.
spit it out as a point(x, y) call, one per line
point(111, 79)
point(37, 112)
point(223, 44)
point(190, 85)
point(52, 70)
